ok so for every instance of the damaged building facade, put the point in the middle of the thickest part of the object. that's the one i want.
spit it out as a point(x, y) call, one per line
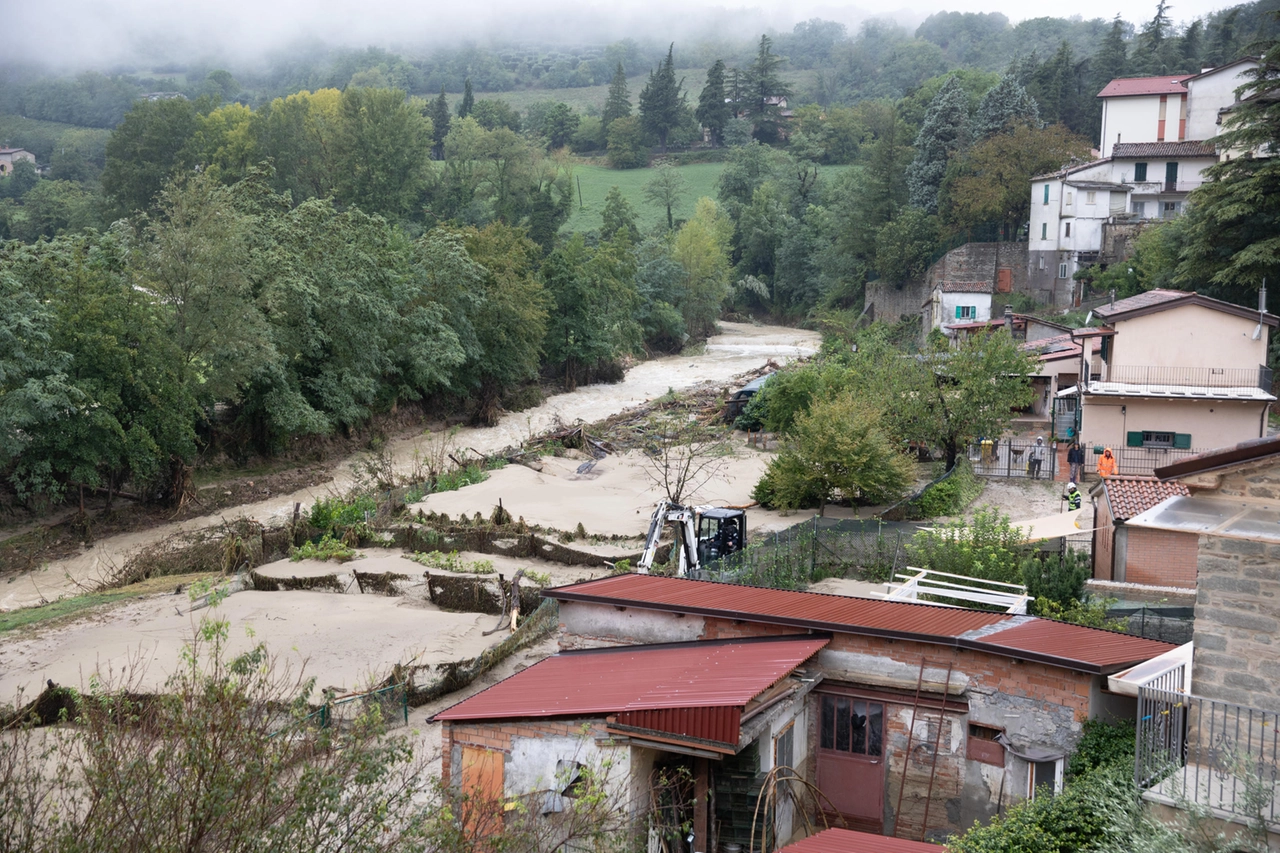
point(912, 720)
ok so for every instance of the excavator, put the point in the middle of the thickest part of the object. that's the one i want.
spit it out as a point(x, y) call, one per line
point(704, 534)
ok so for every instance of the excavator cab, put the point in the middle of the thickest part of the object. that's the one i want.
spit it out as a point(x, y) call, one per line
point(720, 532)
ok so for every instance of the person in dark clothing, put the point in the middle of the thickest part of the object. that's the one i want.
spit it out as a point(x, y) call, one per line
point(1075, 459)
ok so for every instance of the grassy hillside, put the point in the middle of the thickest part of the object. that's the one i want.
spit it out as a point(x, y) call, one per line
point(42, 138)
point(596, 181)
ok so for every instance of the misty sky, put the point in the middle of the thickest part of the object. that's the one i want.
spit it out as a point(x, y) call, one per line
point(98, 32)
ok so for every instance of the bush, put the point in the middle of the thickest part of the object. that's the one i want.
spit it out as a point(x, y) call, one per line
point(451, 562)
point(985, 546)
point(951, 495)
point(1058, 579)
point(333, 516)
point(1103, 745)
point(327, 548)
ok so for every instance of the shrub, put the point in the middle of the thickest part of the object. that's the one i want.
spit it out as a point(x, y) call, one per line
point(333, 516)
point(951, 495)
point(451, 562)
point(986, 546)
point(327, 548)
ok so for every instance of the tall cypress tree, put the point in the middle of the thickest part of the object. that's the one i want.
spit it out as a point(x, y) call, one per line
point(661, 100)
point(943, 134)
point(766, 91)
point(713, 111)
point(468, 100)
point(439, 115)
point(1112, 58)
point(618, 104)
point(1004, 105)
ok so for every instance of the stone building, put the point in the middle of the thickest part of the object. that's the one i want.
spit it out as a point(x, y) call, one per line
point(914, 720)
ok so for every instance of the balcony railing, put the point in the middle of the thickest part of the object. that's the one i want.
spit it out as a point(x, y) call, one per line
point(1225, 757)
point(1161, 187)
point(1193, 377)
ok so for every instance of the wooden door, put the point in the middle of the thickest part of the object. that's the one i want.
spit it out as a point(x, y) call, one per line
point(851, 767)
point(482, 785)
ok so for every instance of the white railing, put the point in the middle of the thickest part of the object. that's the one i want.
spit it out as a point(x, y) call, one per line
point(1011, 597)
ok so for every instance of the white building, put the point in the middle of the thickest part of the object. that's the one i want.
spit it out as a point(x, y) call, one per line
point(1154, 152)
point(957, 302)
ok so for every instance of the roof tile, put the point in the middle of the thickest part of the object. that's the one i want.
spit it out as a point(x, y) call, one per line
point(966, 286)
point(1168, 84)
point(1138, 150)
point(1131, 496)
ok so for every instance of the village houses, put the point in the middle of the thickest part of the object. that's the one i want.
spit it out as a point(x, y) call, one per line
point(9, 156)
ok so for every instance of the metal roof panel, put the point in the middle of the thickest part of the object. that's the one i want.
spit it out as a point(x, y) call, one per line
point(1093, 648)
point(849, 841)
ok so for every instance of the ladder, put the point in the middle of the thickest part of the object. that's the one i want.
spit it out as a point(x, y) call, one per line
point(937, 741)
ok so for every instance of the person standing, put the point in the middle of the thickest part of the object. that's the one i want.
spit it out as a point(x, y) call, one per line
point(1106, 464)
point(1075, 461)
point(1035, 458)
point(1073, 496)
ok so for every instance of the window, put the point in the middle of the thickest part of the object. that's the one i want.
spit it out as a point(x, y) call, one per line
point(852, 725)
point(1140, 208)
point(1091, 197)
point(1139, 171)
point(1044, 230)
point(1044, 777)
point(1158, 439)
point(1062, 270)
point(983, 745)
point(784, 747)
point(1068, 229)
point(1171, 210)
point(1070, 198)
point(1046, 193)
point(966, 312)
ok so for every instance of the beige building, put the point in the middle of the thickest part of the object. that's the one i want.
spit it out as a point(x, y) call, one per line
point(9, 155)
point(1175, 372)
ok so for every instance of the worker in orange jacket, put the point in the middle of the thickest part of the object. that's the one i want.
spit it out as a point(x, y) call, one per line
point(1106, 464)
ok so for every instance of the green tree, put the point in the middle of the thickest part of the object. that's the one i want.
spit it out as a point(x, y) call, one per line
point(713, 111)
point(905, 246)
point(384, 148)
point(22, 178)
point(701, 248)
point(836, 447)
point(440, 118)
point(661, 101)
point(768, 92)
point(492, 114)
point(618, 103)
point(1005, 105)
point(943, 136)
point(468, 100)
point(618, 215)
point(627, 149)
point(665, 189)
point(299, 136)
point(145, 150)
point(559, 124)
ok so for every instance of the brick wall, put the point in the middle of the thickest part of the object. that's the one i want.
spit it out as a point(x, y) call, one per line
point(1161, 557)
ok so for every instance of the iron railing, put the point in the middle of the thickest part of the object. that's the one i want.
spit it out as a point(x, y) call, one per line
point(1191, 749)
point(1013, 458)
point(1140, 461)
point(1192, 377)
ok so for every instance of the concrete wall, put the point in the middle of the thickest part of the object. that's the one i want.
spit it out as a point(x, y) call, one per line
point(1209, 94)
point(1137, 119)
point(1189, 336)
point(888, 303)
point(948, 303)
point(1211, 423)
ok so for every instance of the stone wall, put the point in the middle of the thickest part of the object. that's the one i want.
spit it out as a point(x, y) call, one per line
point(981, 262)
point(888, 303)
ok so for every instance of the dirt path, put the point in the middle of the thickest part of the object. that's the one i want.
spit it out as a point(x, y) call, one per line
point(740, 347)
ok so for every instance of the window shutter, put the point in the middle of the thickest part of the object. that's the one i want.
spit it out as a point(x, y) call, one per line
point(959, 312)
point(1046, 193)
point(1182, 440)
point(1134, 439)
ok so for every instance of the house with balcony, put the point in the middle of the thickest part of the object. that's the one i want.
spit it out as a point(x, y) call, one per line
point(1174, 373)
point(1154, 150)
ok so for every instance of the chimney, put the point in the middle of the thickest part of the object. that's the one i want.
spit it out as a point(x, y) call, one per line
point(1113, 297)
point(1262, 296)
point(1008, 318)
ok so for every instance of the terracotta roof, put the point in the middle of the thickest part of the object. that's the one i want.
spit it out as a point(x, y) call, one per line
point(1240, 454)
point(967, 286)
point(1169, 84)
point(863, 616)
point(1110, 651)
point(1130, 496)
point(1071, 169)
point(1143, 150)
point(849, 841)
point(1162, 299)
point(639, 683)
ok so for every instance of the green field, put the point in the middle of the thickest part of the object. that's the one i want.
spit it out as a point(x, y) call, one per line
point(41, 138)
point(596, 181)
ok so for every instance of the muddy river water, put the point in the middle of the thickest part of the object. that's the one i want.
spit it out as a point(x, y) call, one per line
point(739, 348)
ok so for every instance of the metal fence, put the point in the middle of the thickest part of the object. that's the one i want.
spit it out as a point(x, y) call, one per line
point(999, 457)
point(1214, 754)
point(816, 549)
point(1139, 461)
point(390, 704)
point(1195, 377)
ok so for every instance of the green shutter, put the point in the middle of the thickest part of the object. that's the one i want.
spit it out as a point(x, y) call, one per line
point(1134, 439)
point(1046, 193)
point(958, 309)
point(1182, 441)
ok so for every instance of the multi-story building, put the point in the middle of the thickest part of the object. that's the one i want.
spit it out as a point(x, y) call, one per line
point(1154, 151)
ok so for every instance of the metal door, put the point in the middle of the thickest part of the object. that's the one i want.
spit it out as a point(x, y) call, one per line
point(851, 767)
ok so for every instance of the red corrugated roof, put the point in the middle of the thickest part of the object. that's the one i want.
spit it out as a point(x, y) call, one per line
point(1170, 84)
point(1089, 649)
point(782, 607)
point(1131, 496)
point(672, 688)
point(1105, 650)
point(848, 841)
